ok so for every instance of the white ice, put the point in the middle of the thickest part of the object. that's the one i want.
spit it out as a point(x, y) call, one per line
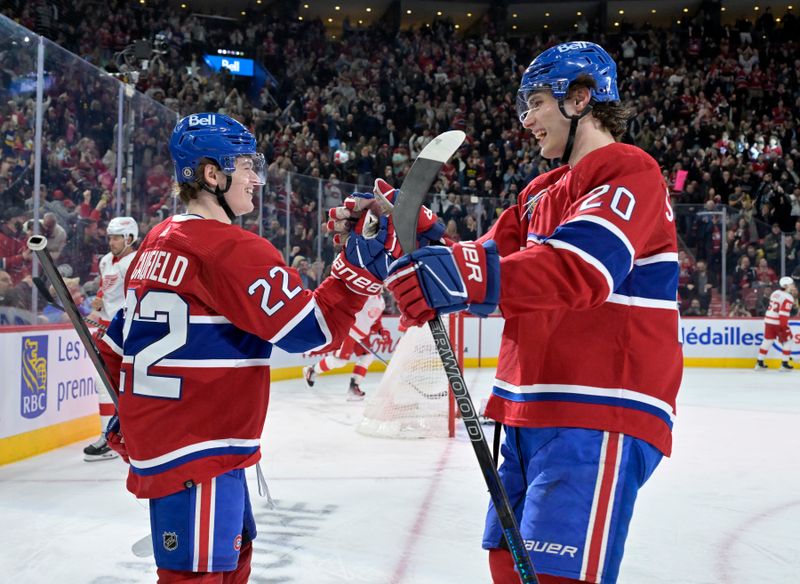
point(725, 509)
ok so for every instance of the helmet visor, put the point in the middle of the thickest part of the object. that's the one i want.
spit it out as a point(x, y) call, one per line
point(250, 163)
point(557, 87)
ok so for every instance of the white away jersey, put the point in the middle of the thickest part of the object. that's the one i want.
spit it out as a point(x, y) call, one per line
point(112, 283)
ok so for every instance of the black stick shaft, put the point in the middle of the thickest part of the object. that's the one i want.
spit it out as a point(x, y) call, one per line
point(458, 386)
point(38, 244)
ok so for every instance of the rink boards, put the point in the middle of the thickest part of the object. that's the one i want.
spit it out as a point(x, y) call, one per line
point(48, 396)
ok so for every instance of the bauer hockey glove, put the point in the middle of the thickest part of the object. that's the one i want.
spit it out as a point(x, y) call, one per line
point(436, 279)
point(360, 212)
point(115, 439)
point(364, 263)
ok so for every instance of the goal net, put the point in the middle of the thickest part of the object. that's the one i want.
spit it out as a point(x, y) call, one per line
point(413, 398)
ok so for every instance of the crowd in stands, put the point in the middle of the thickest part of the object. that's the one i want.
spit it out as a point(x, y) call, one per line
point(717, 107)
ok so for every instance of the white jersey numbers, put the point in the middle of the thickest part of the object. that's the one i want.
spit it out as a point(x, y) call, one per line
point(275, 273)
point(622, 201)
point(159, 307)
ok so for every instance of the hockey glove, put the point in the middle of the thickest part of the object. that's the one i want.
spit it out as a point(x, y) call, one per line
point(360, 211)
point(364, 263)
point(435, 280)
point(115, 439)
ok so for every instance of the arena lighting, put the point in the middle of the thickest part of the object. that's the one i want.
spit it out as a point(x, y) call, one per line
point(469, 14)
point(515, 15)
point(408, 11)
point(579, 13)
point(438, 13)
point(653, 11)
point(622, 12)
point(369, 9)
point(299, 18)
point(337, 7)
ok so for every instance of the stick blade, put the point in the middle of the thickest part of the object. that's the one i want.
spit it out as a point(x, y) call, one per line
point(418, 182)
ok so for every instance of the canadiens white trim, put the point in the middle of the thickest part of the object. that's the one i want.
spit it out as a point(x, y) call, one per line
point(211, 363)
point(205, 319)
point(657, 258)
point(185, 217)
point(609, 226)
point(589, 259)
point(640, 302)
point(297, 319)
point(595, 504)
point(111, 344)
point(198, 528)
point(192, 448)
point(323, 325)
point(610, 392)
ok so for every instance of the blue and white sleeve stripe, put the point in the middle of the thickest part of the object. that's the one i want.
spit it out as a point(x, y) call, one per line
point(307, 331)
point(599, 243)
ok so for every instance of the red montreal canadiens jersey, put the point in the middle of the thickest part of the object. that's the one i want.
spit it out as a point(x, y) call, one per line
point(205, 304)
point(589, 276)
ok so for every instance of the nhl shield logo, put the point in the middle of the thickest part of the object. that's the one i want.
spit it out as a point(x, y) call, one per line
point(170, 539)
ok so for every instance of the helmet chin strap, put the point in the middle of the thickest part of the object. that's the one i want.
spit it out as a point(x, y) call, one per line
point(573, 127)
point(220, 196)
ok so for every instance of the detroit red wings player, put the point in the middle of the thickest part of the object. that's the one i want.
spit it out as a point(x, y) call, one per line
point(776, 324)
point(122, 233)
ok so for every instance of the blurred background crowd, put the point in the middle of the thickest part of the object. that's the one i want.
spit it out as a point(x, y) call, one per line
point(716, 105)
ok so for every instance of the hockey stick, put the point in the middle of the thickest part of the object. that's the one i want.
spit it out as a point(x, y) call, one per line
point(405, 216)
point(38, 245)
point(42, 287)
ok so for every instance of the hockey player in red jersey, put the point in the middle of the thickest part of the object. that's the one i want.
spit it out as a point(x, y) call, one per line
point(122, 234)
point(776, 324)
point(205, 303)
point(354, 348)
point(586, 258)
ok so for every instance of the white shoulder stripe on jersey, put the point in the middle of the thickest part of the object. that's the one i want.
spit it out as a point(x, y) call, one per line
point(204, 319)
point(609, 226)
point(612, 392)
point(212, 363)
point(640, 302)
point(111, 344)
point(298, 318)
point(589, 259)
point(192, 448)
point(323, 325)
point(657, 258)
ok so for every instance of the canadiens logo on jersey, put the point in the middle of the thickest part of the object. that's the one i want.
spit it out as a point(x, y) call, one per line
point(170, 540)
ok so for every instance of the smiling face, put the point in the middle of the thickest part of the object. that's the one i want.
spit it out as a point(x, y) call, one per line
point(547, 123)
point(243, 184)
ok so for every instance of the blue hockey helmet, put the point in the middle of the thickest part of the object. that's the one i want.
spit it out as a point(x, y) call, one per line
point(213, 136)
point(557, 67)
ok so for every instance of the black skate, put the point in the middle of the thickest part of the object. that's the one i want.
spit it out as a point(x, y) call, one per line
point(760, 365)
point(786, 366)
point(354, 393)
point(98, 450)
point(309, 374)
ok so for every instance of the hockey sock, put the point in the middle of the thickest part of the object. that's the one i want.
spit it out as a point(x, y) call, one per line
point(501, 566)
point(359, 372)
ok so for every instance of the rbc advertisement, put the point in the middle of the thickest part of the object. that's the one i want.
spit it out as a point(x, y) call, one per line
point(47, 379)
